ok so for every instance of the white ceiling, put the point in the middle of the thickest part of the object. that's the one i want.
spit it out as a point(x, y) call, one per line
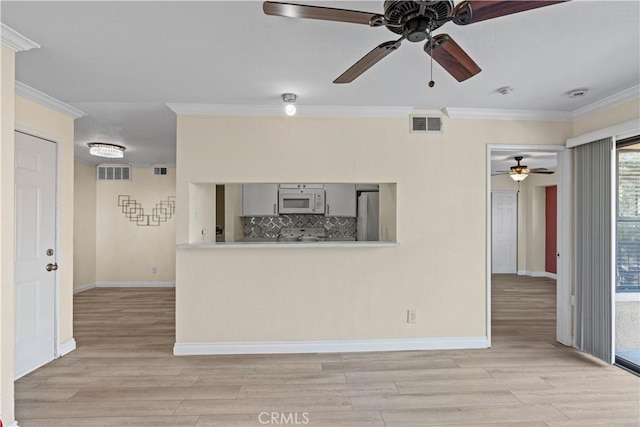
point(121, 61)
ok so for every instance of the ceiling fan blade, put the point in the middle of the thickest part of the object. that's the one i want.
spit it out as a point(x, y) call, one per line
point(544, 171)
point(292, 10)
point(500, 173)
point(368, 61)
point(451, 57)
point(469, 12)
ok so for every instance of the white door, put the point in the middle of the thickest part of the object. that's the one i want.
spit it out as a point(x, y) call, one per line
point(504, 232)
point(35, 228)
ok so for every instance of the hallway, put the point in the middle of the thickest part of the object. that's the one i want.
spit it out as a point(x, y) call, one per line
point(123, 374)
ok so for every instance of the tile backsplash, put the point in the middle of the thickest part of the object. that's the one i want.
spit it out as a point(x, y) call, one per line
point(268, 227)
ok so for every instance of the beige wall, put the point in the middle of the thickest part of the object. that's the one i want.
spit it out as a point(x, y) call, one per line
point(84, 231)
point(439, 268)
point(125, 251)
point(618, 114)
point(7, 336)
point(56, 126)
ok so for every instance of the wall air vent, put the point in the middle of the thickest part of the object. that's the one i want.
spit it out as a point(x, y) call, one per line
point(159, 169)
point(425, 124)
point(114, 172)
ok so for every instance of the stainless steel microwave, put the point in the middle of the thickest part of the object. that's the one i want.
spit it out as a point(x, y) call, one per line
point(301, 201)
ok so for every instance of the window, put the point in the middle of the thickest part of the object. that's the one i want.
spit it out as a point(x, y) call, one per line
point(628, 221)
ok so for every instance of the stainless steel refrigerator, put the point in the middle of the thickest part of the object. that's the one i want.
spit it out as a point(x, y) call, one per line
point(368, 216)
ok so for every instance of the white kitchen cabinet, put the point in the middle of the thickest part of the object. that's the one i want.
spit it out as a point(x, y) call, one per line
point(259, 199)
point(340, 200)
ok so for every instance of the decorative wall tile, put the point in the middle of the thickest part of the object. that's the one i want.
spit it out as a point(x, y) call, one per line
point(269, 227)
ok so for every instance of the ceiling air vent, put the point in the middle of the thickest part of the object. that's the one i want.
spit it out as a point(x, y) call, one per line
point(425, 124)
point(114, 172)
point(159, 170)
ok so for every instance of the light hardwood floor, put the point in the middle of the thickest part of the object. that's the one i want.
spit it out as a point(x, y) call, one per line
point(123, 374)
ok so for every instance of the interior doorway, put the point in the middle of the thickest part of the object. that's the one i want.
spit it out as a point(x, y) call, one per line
point(543, 166)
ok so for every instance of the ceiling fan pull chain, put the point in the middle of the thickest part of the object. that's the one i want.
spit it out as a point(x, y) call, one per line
point(431, 82)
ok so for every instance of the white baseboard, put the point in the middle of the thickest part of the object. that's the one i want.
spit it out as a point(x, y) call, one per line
point(83, 288)
point(341, 346)
point(538, 274)
point(67, 347)
point(133, 284)
point(13, 424)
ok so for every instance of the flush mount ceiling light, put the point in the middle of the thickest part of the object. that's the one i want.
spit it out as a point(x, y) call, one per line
point(577, 93)
point(105, 149)
point(289, 99)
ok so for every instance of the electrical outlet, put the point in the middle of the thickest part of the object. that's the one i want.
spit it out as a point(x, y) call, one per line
point(411, 315)
point(154, 270)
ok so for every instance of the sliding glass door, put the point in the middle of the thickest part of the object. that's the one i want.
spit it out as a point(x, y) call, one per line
point(627, 304)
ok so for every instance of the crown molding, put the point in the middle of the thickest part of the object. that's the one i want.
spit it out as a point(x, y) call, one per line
point(500, 114)
point(607, 102)
point(16, 41)
point(47, 101)
point(277, 110)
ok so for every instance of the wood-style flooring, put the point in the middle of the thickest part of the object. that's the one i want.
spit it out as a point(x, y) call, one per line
point(123, 374)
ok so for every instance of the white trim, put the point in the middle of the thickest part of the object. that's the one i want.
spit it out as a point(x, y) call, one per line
point(15, 40)
point(538, 274)
point(277, 110)
point(498, 114)
point(613, 190)
point(47, 101)
point(564, 266)
point(627, 297)
point(134, 284)
point(488, 241)
point(607, 102)
point(564, 242)
point(82, 288)
point(629, 128)
point(13, 424)
point(329, 346)
point(67, 347)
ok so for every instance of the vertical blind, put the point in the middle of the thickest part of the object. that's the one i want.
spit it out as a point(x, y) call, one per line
point(593, 248)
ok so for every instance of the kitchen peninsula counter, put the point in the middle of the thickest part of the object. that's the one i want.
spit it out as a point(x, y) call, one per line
point(287, 245)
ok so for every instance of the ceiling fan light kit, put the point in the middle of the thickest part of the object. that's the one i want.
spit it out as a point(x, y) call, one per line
point(106, 149)
point(415, 21)
point(518, 177)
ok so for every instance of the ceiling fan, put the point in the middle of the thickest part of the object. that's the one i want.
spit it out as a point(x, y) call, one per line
point(520, 172)
point(415, 21)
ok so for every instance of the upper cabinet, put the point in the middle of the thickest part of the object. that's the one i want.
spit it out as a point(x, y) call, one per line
point(259, 199)
point(340, 200)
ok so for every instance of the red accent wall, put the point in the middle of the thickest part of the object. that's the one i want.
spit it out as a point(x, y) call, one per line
point(551, 219)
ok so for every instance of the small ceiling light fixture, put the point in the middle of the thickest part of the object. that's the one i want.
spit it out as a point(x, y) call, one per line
point(577, 93)
point(106, 149)
point(505, 90)
point(289, 99)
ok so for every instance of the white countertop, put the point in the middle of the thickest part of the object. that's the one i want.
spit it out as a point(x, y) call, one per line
point(287, 245)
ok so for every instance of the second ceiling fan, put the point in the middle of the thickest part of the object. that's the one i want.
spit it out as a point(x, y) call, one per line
point(414, 21)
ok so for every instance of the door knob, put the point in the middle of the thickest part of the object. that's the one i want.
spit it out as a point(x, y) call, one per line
point(52, 267)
